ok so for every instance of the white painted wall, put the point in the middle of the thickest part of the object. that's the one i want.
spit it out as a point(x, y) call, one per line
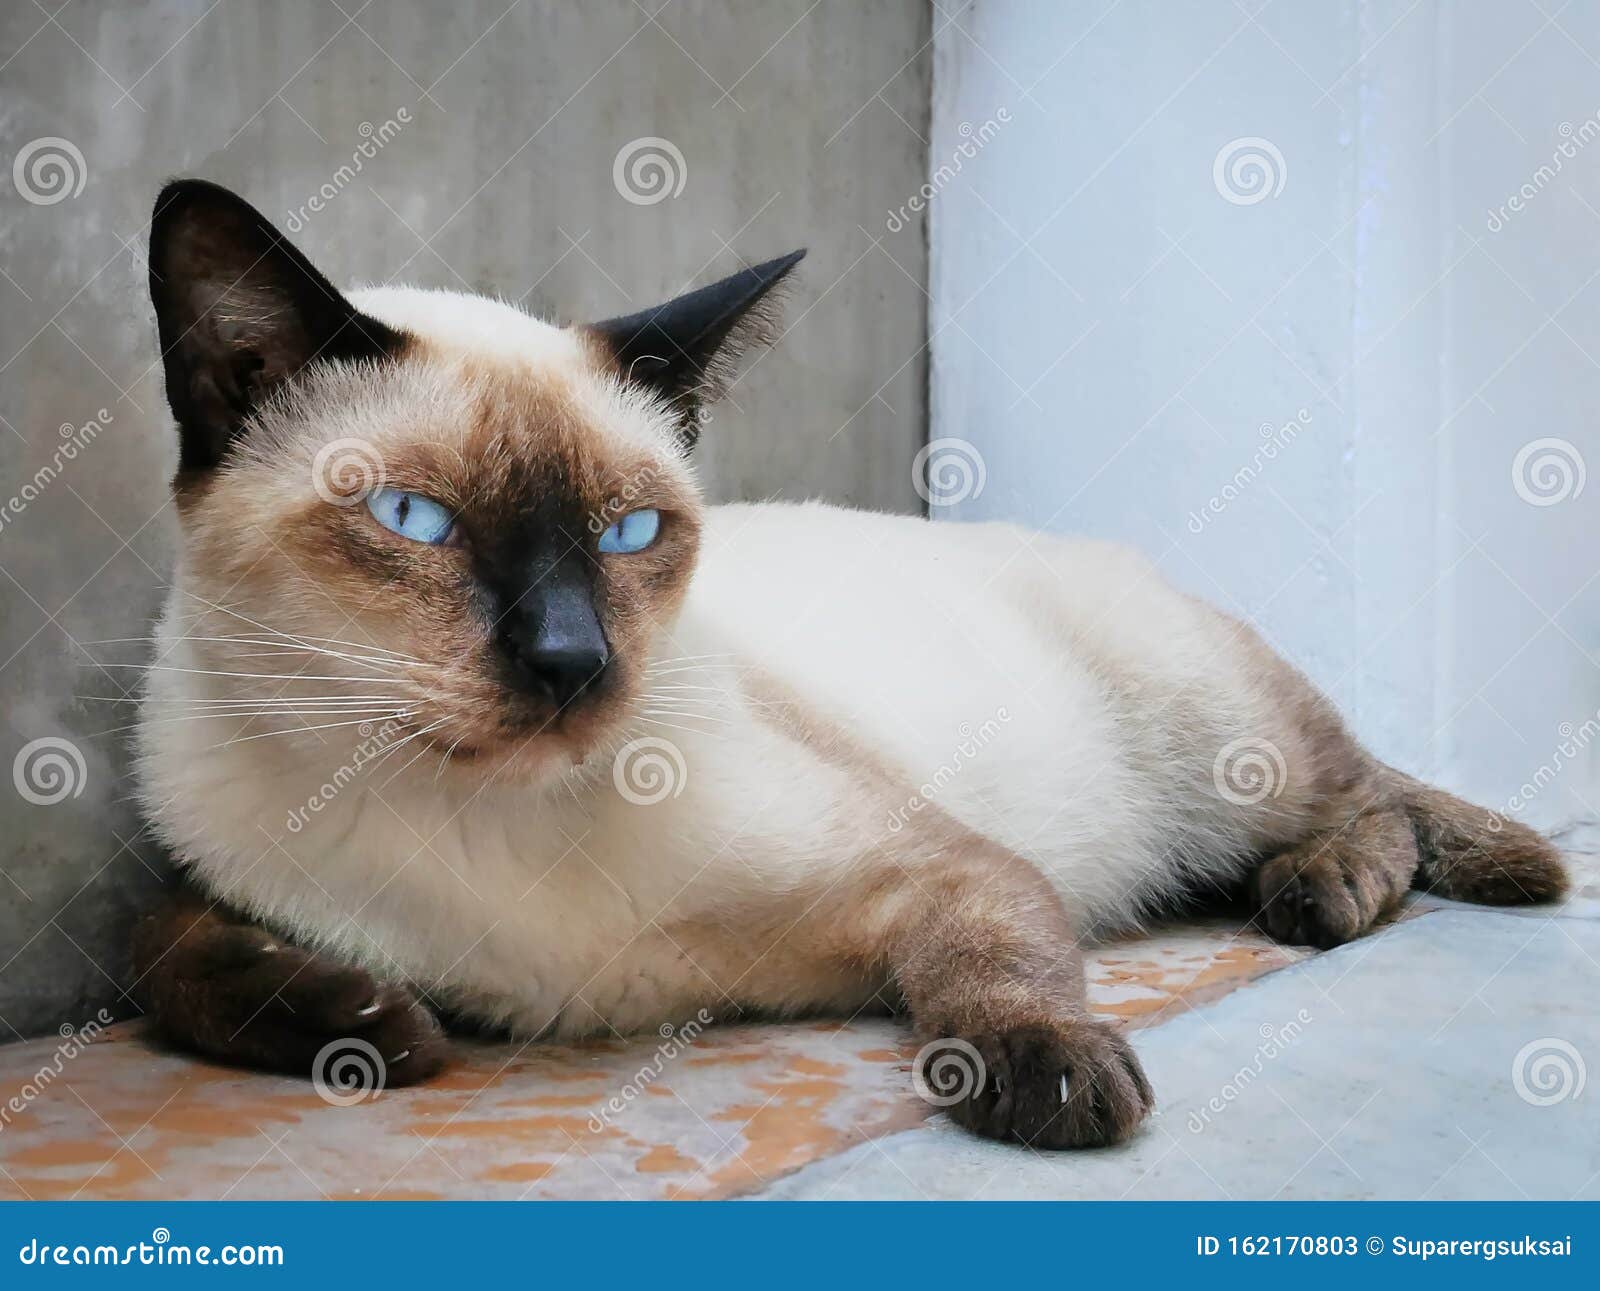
point(1109, 333)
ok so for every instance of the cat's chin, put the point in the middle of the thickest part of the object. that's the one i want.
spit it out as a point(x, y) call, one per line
point(533, 756)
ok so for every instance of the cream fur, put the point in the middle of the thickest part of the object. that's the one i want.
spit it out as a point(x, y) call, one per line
point(1063, 700)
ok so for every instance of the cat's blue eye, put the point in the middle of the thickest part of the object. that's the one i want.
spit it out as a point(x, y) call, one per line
point(634, 532)
point(411, 515)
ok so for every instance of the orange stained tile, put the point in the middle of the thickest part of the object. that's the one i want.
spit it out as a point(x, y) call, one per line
point(61, 1152)
point(728, 1058)
point(1180, 985)
point(590, 1101)
point(558, 1131)
point(520, 1172)
point(665, 1159)
point(394, 1194)
point(791, 1127)
point(813, 1067)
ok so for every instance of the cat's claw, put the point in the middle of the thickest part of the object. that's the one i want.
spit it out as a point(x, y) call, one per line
point(236, 993)
point(1069, 1084)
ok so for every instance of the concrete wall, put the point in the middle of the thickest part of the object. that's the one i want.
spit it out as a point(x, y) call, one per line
point(1199, 226)
point(499, 129)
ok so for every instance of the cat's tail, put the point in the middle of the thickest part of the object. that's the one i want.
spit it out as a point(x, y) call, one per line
point(1469, 853)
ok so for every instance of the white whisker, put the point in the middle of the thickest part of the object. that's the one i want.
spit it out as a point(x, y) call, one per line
point(287, 646)
point(245, 618)
point(376, 716)
point(260, 676)
point(690, 730)
point(389, 752)
point(687, 714)
point(298, 730)
point(279, 701)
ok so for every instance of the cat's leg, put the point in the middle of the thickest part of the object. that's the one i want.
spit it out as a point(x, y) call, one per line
point(986, 956)
point(1343, 877)
point(1364, 833)
point(1389, 834)
point(221, 986)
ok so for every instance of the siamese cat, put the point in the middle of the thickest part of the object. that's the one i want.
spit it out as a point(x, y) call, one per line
point(642, 757)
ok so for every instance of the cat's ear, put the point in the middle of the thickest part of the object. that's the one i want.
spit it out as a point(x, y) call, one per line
point(687, 350)
point(239, 310)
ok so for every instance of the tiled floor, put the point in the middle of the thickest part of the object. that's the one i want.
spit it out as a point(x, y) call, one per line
point(1382, 1069)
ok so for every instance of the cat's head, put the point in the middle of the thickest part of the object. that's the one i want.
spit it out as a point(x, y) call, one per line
point(461, 515)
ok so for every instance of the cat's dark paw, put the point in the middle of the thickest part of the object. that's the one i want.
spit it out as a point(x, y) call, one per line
point(1070, 1084)
point(1319, 900)
point(235, 992)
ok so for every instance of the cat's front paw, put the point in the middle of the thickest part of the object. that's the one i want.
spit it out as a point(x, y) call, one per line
point(1070, 1084)
point(237, 993)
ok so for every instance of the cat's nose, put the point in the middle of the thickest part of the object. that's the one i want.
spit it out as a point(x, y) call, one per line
point(562, 671)
point(555, 642)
